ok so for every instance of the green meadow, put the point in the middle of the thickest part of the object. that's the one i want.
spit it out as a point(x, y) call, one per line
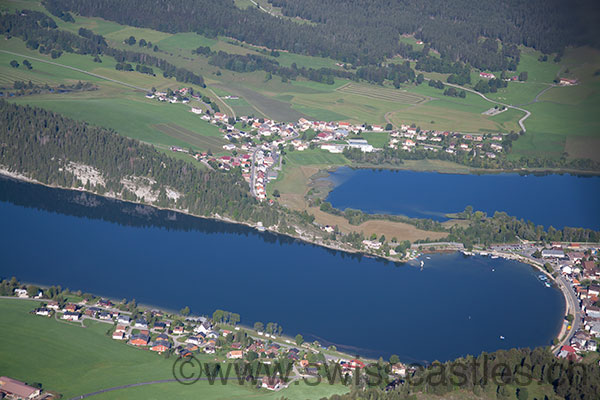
point(72, 361)
point(559, 113)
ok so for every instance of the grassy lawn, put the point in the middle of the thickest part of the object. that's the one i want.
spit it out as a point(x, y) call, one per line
point(72, 361)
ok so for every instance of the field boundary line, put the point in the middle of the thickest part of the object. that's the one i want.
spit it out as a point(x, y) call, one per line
point(77, 69)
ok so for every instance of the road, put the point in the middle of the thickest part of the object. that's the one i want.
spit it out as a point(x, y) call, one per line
point(78, 70)
point(521, 121)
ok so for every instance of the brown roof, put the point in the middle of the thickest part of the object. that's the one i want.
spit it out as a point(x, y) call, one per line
point(15, 387)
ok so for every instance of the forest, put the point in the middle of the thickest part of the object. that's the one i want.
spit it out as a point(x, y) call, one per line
point(365, 32)
point(504, 374)
point(41, 144)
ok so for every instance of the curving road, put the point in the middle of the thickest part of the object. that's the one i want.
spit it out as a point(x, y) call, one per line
point(521, 121)
point(77, 69)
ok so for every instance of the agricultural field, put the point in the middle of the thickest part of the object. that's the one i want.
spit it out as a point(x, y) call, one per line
point(72, 360)
point(393, 95)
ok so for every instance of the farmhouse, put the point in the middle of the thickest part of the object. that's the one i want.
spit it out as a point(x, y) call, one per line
point(17, 389)
point(235, 354)
point(487, 75)
point(567, 82)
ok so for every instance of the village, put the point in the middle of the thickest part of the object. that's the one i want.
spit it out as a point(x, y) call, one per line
point(574, 269)
point(256, 144)
point(185, 337)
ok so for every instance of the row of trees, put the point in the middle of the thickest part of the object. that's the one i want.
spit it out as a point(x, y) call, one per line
point(40, 33)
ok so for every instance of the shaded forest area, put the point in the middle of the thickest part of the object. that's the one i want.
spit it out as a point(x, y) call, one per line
point(364, 32)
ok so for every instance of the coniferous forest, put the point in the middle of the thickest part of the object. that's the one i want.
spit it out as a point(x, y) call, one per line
point(364, 32)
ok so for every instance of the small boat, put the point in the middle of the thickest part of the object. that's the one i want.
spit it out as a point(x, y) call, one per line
point(547, 284)
point(501, 337)
point(422, 263)
point(494, 257)
point(493, 270)
point(429, 258)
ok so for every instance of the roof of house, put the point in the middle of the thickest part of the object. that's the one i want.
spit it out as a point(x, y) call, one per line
point(15, 387)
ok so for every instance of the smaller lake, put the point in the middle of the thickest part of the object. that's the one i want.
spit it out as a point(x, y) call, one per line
point(557, 200)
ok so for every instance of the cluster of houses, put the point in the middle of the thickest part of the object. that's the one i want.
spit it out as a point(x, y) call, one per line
point(178, 96)
point(409, 138)
point(580, 268)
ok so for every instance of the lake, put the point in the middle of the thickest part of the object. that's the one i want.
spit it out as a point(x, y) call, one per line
point(455, 305)
point(557, 200)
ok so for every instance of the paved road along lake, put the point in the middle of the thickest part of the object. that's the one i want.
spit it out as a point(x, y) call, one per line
point(557, 200)
point(454, 306)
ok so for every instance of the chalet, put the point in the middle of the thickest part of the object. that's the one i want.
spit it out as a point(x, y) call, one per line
point(567, 82)
point(272, 383)
point(105, 316)
point(53, 305)
point(118, 335)
point(191, 347)
point(184, 352)
point(486, 75)
point(196, 110)
point(235, 354)
point(196, 339)
point(121, 328)
point(15, 389)
point(220, 116)
point(139, 340)
point(105, 303)
point(210, 349)
point(592, 311)
point(141, 324)
point(569, 353)
point(44, 312)
point(123, 319)
point(178, 330)
point(162, 337)
point(70, 307)
point(21, 293)
point(159, 326)
point(160, 347)
point(377, 128)
point(70, 316)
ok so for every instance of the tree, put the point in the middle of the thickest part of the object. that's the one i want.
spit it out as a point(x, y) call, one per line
point(523, 76)
point(32, 290)
point(234, 318)
point(27, 64)
point(420, 79)
point(394, 359)
point(259, 326)
point(388, 127)
point(276, 193)
point(131, 41)
point(522, 393)
point(299, 340)
point(14, 64)
point(185, 311)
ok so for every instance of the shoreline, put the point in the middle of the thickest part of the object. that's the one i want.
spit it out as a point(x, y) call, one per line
point(563, 330)
point(259, 228)
point(20, 177)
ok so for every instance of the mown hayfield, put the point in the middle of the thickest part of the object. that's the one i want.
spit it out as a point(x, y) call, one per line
point(393, 95)
point(204, 142)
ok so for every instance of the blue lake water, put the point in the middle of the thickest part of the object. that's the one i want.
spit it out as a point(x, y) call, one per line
point(455, 306)
point(557, 200)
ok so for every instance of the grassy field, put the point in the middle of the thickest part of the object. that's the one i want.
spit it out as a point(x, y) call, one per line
point(559, 114)
point(73, 360)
